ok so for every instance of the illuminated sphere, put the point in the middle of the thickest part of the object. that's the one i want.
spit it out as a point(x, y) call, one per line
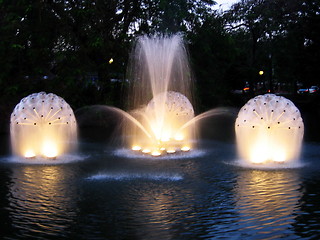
point(42, 121)
point(269, 128)
point(174, 103)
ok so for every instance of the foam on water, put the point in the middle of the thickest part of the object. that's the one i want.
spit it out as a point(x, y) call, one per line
point(123, 176)
point(269, 166)
point(128, 153)
point(66, 158)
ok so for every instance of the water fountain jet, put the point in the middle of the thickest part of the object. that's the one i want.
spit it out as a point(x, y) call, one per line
point(269, 129)
point(162, 120)
point(161, 88)
point(42, 125)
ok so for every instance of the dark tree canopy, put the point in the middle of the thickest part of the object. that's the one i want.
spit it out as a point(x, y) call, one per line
point(66, 47)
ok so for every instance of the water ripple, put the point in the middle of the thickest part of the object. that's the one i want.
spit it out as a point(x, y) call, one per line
point(108, 197)
point(268, 166)
point(63, 159)
point(131, 176)
point(128, 153)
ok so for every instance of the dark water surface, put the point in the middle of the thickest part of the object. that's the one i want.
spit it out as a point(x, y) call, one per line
point(107, 196)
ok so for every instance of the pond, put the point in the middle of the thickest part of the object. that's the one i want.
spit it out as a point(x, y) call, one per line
point(108, 194)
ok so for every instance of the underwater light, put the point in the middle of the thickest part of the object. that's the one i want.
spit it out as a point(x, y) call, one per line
point(146, 150)
point(49, 150)
point(29, 154)
point(178, 137)
point(136, 148)
point(185, 149)
point(156, 153)
point(171, 151)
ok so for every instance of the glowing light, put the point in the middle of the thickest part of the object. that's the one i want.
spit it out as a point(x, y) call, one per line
point(167, 119)
point(165, 114)
point(111, 60)
point(185, 149)
point(171, 151)
point(136, 148)
point(269, 129)
point(279, 156)
point(258, 153)
point(261, 73)
point(49, 149)
point(165, 136)
point(178, 137)
point(263, 152)
point(165, 139)
point(146, 150)
point(156, 153)
point(42, 125)
point(29, 154)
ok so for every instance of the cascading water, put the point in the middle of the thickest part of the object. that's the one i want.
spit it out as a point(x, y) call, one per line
point(43, 125)
point(162, 118)
point(161, 92)
point(269, 129)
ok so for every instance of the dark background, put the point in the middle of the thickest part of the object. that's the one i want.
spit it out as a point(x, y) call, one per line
point(65, 47)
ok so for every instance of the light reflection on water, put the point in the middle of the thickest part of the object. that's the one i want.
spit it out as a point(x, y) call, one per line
point(267, 200)
point(112, 197)
point(42, 200)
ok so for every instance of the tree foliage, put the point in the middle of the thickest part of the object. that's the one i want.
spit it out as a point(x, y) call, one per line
point(65, 46)
point(279, 36)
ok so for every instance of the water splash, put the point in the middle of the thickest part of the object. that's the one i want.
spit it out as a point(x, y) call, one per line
point(123, 176)
point(161, 87)
point(43, 125)
point(127, 153)
point(62, 159)
point(269, 130)
point(161, 121)
point(267, 165)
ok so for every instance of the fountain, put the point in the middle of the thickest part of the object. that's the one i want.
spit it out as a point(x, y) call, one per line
point(161, 87)
point(162, 120)
point(269, 130)
point(42, 125)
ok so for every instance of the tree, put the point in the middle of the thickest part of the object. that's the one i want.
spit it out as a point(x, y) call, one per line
point(275, 28)
point(213, 57)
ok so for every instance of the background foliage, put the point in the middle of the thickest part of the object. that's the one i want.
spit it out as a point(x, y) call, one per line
point(65, 46)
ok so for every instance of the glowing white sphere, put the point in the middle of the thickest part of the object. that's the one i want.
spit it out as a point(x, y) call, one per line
point(42, 124)
point(269, 128)
point(172, 103)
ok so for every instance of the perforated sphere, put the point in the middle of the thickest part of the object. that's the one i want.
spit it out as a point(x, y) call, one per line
point(266, 124)
point(175, 104)
point(42, 108)
point(42, 119)
point(270, 111)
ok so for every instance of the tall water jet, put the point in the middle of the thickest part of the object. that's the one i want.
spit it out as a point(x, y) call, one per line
point(269, 128)
point(43, 125)
point(161, 88)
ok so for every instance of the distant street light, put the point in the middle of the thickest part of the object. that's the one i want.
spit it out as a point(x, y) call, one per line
point(261, 81)
point(111, 60)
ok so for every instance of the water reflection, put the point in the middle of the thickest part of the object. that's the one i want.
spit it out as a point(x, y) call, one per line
point(137, 207)
point(267, 201)
point(42, 200)
point(156, 212)
point(307, 224)
point(209, 200)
